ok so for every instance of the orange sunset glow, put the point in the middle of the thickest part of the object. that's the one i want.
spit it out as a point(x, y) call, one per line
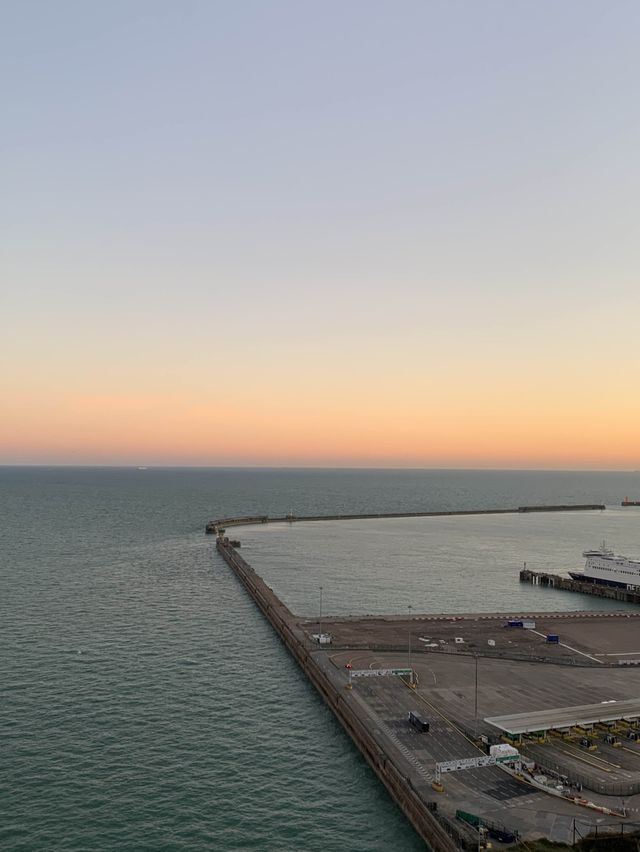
point(407, 256)
point(487, 427)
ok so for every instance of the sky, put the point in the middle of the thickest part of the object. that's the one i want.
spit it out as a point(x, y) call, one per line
point(348, 233)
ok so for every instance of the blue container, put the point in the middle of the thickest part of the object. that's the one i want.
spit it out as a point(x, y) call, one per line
point(553, 638)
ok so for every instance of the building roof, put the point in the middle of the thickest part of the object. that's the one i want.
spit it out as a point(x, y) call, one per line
point(566, 717)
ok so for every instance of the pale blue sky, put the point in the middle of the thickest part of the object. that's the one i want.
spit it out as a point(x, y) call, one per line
point(410, 178)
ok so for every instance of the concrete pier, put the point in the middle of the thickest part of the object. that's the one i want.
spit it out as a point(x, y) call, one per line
point(568, 788)
point(218, 526)
point(440, 834)
point(568, 584)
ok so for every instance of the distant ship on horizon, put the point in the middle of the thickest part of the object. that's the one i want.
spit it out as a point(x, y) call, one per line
point(627, 502)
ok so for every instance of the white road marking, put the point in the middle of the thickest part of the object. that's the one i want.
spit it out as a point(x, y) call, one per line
point(624, 654)
point(575, 650)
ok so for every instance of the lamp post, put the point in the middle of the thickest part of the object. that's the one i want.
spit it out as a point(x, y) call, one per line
point(320, 618)
point(410, 669)
point(475, 713)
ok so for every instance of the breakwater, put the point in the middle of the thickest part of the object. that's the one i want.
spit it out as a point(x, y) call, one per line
point(440, 833)
point(218, 526)
point(568, 584)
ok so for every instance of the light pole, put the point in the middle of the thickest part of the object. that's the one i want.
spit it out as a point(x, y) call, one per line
point(475, 714)
point(410, 669)
point(320, 619)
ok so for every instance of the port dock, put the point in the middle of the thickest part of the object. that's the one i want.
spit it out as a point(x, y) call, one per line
point(461, 674)
point(365, 728)
point(215, 527)
point(568, 584)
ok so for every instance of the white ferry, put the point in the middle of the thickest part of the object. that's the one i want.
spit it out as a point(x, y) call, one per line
point(604, 568)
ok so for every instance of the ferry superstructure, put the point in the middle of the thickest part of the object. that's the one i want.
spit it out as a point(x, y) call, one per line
point(604, 568)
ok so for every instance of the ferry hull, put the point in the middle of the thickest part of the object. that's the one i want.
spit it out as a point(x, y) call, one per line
point(597, 581)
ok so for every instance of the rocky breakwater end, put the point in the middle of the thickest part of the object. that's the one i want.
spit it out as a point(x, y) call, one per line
point(434, 829)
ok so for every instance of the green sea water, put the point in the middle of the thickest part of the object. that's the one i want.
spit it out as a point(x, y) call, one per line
point(146, 704)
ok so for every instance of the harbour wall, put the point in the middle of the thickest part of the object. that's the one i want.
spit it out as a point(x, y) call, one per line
point(440, 834)
point(217, 526)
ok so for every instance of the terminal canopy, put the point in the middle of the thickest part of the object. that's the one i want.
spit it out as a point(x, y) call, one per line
point(567, 717)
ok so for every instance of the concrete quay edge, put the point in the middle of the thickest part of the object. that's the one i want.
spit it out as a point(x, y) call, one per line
point(431, 829)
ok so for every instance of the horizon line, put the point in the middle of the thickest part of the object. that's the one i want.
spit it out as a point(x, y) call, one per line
point(160, 466)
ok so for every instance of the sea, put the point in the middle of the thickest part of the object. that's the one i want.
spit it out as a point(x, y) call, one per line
point(145, 703)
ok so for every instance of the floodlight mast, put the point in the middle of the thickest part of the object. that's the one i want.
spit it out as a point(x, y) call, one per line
point(475, 716)
point(411, 680)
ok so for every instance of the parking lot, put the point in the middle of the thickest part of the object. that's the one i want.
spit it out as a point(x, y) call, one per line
point(446, 695)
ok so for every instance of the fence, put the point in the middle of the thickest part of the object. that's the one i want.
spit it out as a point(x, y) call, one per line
point(484, 653)
point(580, 780)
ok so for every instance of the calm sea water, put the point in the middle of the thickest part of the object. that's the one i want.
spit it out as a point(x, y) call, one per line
point(450, 564)
point(147, 705)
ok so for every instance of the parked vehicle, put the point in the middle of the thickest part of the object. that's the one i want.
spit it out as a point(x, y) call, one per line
point(418, 722)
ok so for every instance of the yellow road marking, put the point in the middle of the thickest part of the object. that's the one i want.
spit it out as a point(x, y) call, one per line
point(583, 759)
point(631, 751)
point(591, 759)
